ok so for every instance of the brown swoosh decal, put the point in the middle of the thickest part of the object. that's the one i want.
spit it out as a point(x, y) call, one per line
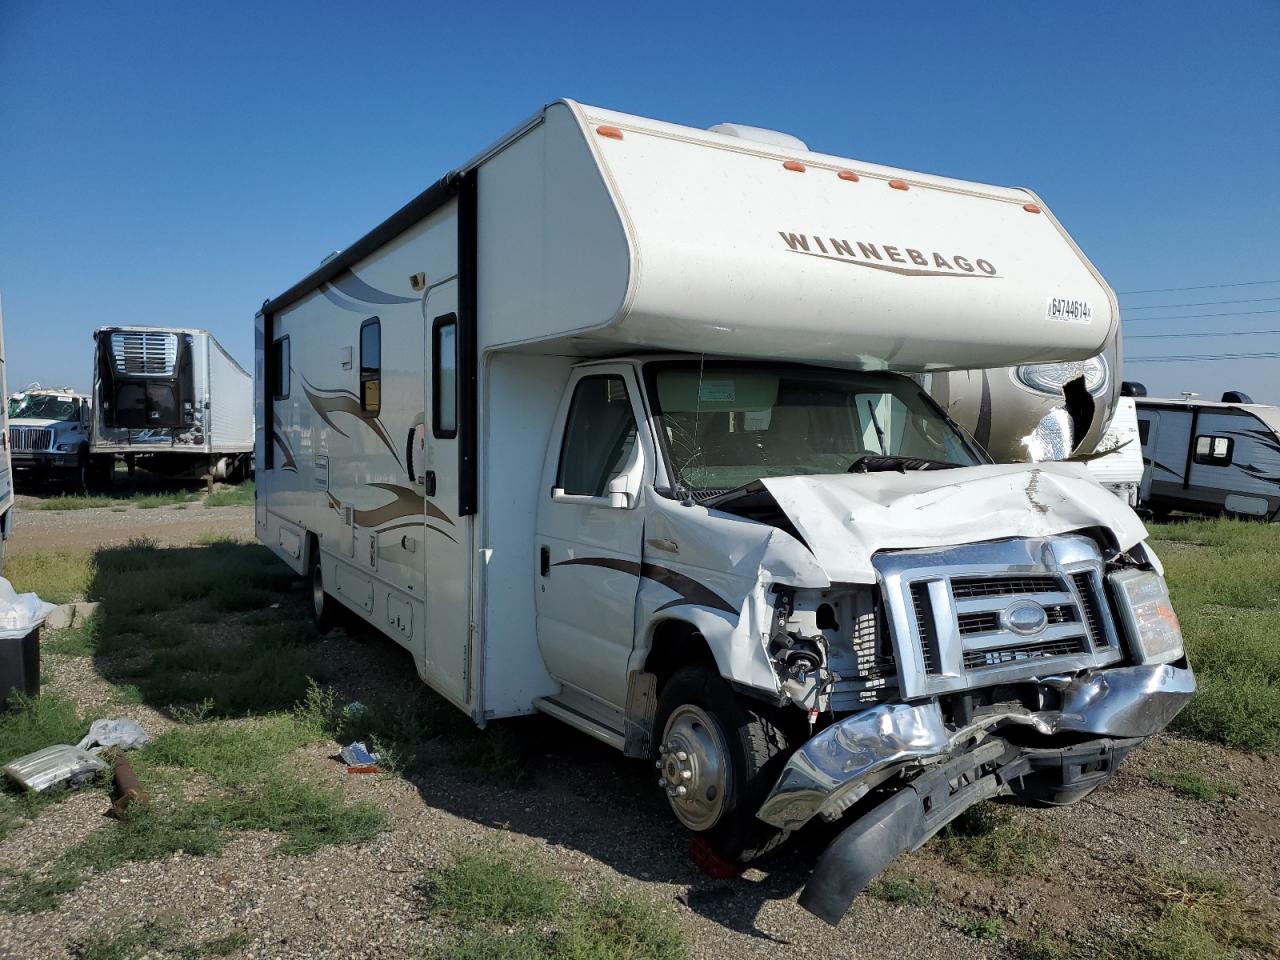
point(344, 401)
point(407, 496)
point(289, 462)
point(690, 591)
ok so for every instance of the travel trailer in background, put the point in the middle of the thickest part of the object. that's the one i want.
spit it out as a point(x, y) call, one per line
point(1211, 457)
point(1117, 462)
point(172, 400)
point(49, 436)
point(6, 470)
point(614, 423)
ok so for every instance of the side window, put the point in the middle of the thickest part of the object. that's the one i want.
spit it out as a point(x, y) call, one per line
point(444, 376)
point(599, 435)
point(279, 369)
point(371, 366)
point(1214, 451)
point(1144, 431)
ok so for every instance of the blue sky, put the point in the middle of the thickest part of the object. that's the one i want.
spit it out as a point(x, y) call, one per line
point(175, 163)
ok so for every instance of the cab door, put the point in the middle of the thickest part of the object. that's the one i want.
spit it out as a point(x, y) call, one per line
point(590, 529)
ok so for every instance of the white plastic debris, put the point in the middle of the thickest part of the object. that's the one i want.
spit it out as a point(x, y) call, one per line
point(125, 734)
point(20, 613)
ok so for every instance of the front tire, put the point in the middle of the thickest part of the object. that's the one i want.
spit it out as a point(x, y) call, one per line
point(322, 605)
point(717, 758)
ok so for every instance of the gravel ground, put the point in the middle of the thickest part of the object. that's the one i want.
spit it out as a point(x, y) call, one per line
point(596, 819)
point(110, 526)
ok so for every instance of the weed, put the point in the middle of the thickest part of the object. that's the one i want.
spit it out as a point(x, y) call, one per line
point(978, 927)
point(59, 577)
point(1192, 785)
point(1040, 948)
point(37, 722)
point(899, 889)
point(80, 640)
point(483, 889)
point(230, 753)
point(1175, 936)
point(985, 839)
point(127, 943)
point(237, 496)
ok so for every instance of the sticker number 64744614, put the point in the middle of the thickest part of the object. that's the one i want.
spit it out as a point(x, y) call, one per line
point(1068, 310)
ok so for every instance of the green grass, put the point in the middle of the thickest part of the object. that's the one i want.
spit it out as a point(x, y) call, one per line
point(1190, 784)
point(1041, 948)
point(904, 890)
point(500, 909)
point(977, 926)
point(58, 577)
point(143, 501)
point(80, 640)
point(237, 496)
point(986, 839)
point(163, 935)
point(33, 724)
point(1224, 576)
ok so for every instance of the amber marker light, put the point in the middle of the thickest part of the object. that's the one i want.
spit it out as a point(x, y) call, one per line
point(613, 133)
point(795, 166)
point(899, 184)
point(1030, 208)
point(847, 175)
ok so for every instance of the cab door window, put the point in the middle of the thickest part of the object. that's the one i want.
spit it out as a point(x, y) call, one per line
point(371, 367)
point(599, 436)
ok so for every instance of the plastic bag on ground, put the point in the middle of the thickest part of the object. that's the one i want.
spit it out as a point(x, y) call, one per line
point(125, 734)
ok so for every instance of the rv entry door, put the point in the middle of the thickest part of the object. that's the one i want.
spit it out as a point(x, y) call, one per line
point(589, 534)
point(446, 554)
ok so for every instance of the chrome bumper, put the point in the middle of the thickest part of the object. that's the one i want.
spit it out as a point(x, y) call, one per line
point(843, 763)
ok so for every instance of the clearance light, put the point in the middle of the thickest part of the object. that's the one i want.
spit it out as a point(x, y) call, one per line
point(613, 133)
point(795, 166)
point(847, 175)
point(899, 184)
point(1030, 208)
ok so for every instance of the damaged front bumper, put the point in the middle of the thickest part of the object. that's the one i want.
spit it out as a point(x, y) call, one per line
point(958, 767)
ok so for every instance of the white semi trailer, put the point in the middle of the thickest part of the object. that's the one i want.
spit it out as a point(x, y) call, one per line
point(613, 423)
point(172, 400)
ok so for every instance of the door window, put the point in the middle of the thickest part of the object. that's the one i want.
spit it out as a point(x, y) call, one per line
point(280, 369)
point(599, 435)
point(444, 376)
point(371, 366)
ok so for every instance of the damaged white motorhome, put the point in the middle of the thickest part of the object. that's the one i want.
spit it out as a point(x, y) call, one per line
point(590, 431)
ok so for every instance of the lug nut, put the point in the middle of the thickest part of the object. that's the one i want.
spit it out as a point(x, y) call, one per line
point(658, 764)
point(686, 774)
point(682, 756)
point(662, 782)
point(662, 750)
point(681, 790)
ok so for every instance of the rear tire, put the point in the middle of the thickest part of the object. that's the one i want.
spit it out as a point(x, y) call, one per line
point(322, 605)
point(733, 753)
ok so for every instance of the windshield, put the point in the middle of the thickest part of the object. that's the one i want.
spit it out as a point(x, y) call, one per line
point(43, 407)
point(728, 423)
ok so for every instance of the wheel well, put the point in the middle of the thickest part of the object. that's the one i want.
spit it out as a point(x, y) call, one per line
point(676, 644)
point(310, 548)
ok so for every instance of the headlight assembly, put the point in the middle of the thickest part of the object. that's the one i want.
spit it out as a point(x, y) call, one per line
point(1150, 623)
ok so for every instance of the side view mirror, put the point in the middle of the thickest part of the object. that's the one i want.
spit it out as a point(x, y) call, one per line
point(624, 489)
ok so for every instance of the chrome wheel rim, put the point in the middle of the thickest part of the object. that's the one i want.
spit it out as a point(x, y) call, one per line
point(693, 764)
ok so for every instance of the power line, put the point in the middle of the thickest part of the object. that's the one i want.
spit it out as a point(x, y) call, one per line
point(1205, 303)
point(1179, 336)
point(1172, 358)
point(1207, 286)
point(1202, 316)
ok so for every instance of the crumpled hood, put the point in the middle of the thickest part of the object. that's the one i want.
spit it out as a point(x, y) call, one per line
point(846, 518)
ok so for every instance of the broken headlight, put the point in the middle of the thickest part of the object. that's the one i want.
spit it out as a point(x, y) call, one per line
point(1151, 624)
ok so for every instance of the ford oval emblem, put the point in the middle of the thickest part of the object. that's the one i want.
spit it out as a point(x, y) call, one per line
point(1025, 618)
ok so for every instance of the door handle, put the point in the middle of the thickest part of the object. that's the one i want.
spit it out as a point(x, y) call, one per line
point(544, 561)
point(429, 483)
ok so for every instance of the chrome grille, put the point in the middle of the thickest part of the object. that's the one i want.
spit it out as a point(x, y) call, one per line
point(996, 612)
point(29, 439)
point(145, 352)
point(980, 659)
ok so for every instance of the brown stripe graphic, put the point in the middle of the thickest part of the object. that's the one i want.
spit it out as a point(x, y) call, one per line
point(690, 591)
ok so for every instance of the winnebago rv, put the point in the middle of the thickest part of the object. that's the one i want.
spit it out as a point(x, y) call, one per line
point(1211, 458)
point(172, 400)
point(6, 470)
point(608, 424)
point(49, 436)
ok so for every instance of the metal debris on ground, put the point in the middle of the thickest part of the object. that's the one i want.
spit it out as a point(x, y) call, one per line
point(76, 766)
point(125, 788)
point(359, 758)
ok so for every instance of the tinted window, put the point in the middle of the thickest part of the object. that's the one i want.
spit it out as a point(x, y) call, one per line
point(371, 366)
point(599, 435)
point(444, 376)
point(1144, 431)
point(1214, 451)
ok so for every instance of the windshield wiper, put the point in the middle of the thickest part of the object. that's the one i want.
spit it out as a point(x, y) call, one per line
point(873, 463)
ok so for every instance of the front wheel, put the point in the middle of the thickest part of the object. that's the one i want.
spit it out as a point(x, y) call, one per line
point(717, 758)
point(322, 606)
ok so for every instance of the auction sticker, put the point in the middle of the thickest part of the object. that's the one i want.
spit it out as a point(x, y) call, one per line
point(1068, 310)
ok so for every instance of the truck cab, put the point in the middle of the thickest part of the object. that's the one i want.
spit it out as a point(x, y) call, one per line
point(49, 436)
point(802, 588)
